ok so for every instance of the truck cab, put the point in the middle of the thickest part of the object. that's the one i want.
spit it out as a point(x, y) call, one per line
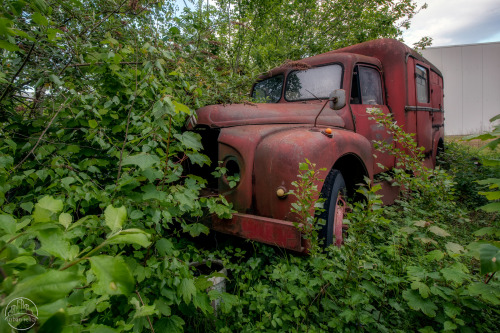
point(263, 143)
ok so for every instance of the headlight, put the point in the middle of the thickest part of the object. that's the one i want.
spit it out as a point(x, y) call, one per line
point(232, 176)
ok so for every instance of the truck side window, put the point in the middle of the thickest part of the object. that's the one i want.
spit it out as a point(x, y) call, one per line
point(422, 83)
point(366, 86)
point(268, 90)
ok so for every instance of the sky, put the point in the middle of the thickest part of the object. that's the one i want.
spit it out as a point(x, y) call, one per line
point(456, 22)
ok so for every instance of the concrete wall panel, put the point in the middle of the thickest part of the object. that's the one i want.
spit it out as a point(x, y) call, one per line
point(491, 81)
point(472, 89)
point(471, 85)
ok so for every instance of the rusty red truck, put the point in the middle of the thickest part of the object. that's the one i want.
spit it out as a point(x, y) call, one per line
point(262, 144)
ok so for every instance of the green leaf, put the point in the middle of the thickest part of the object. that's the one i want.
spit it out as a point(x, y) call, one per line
point(54, 243)
point(55, 324)
point(454, 248)
point(200, 159)
point(152, 174)
point(434, 255)
point(438, 231)
point(163, 307)
point(451, 310)
point(408, 230)
point(28, 261)
point(21, 33)
point(142, 310)
point(228, 301)
point(485, 136)
point(44, 288)
point(449, 326)
point(420, 223)
point(115, 217)
point(49, 203)
point(495, 118)
point(65, 219)
point(454, 274)
point(55, 79)
point(492, 145)
point(142, 160)
point(487, 231)
point(186, 289)
point(45, 208)
point(27, 206)
point(491, 207)
point(164, 246)
point(52, 33)
point(9, 46)
point(172, 324)
point(417, 303)
point(113, 275)
point(491, 162)
point(195, 229)
point(488, 292)
point(189, 140)
point(141, 239)
point(492, 195)
point(40, 19)
point(6, 161)
point(423, 289)
point(426, 240)
point(489, 255)
point(92, 123)
point(150, 192)
point(181, 107)
point(7, 223)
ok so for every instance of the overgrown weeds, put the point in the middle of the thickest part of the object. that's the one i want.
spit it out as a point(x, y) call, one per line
point(412, 266)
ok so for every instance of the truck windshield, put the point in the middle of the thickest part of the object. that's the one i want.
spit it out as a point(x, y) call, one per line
point(268, 90)
point(313, 83)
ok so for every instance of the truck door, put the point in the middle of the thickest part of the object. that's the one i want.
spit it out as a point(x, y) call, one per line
point(367, 92)
point(423, 106)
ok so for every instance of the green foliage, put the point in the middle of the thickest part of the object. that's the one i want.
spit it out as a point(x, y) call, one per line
point(402, 268)
point(93, 197)
point(264, 33)
point(308, 204)
point(489, 252)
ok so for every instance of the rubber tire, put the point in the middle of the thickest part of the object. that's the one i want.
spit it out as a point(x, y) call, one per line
point(334, 185)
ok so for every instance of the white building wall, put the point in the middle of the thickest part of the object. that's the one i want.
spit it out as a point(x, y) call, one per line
point(471, 85)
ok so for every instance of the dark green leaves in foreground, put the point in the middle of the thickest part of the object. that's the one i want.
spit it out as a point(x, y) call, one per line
point(113, 275)
point(45, 288)
point(490, 258)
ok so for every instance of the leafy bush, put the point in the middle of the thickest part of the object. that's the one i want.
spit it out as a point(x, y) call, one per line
point(393, 274)
point(93, 196)
point(402, 268)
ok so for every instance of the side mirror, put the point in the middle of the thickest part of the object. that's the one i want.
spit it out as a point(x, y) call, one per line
point(337, 99)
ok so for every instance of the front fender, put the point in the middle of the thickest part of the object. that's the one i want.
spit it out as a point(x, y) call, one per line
point(277, 158)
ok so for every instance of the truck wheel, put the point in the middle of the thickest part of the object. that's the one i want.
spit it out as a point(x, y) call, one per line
point(334, 193)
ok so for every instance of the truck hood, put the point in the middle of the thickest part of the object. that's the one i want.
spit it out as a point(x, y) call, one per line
point(265, 113)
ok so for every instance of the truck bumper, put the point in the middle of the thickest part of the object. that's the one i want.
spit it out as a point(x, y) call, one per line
point(262, 229)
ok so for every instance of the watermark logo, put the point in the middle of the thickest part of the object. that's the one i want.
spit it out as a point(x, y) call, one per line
point(21, 313)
